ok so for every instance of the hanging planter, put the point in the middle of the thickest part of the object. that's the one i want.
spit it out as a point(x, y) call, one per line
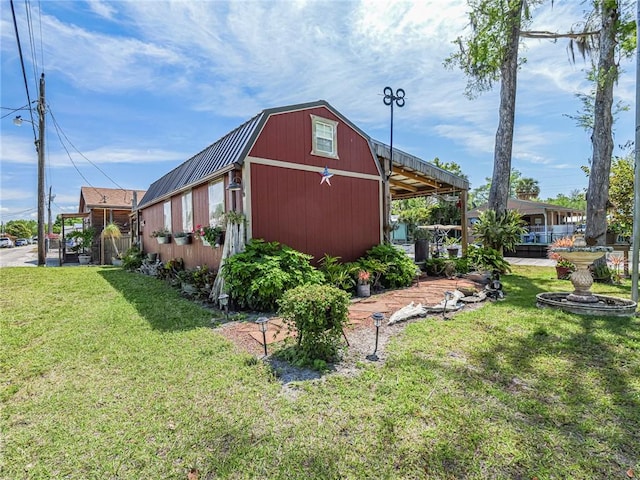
point(182, 238)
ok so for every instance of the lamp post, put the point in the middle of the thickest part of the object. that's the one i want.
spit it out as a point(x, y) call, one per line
point(448, 296)
point(263, 324)
point(389, 99)
point(223, 299)
point(378, 317)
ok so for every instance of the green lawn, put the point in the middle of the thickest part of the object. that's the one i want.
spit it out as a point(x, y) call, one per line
point(106, 374)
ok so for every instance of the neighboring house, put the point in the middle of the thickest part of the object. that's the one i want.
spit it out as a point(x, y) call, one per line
point(545, 222)
point(100, 206)
point(306, 177)
point(105, 205)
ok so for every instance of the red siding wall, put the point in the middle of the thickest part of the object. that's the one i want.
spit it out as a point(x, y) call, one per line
point(292, 207)
point(193, 254)
point(287, 137)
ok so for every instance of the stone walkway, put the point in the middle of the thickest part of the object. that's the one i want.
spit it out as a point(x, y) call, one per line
point(428, 291)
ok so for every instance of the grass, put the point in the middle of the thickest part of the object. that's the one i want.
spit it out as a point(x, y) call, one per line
point(107, 374)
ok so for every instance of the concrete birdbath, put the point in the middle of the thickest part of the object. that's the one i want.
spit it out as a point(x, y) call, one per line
point(581, 300)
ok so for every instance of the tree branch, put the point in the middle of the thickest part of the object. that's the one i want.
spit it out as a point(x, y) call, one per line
point(544, 34)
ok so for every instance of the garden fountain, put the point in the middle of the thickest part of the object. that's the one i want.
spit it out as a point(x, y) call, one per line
point(581, 300)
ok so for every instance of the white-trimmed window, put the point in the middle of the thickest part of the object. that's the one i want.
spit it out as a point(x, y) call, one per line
point(167, 215)
point(187, 212)
point(216, 203)
point(324, 137)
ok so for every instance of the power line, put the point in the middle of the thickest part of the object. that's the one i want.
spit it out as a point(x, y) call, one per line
point(24, 72)
point(82, 154)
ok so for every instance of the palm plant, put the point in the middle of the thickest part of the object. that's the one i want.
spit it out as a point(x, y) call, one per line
point(112, 231)
point(499, 232)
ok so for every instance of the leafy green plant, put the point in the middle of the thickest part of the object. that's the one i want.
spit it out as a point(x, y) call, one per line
point(112, 231)
point(318, 313)
point(132, 259)
point(163, 232)
point(259, 276)
point(399, 269)
point(213, 235)
point(339, 275)
point(487, 259)
point(170, 269)
point(500, 232)
point(84, 239)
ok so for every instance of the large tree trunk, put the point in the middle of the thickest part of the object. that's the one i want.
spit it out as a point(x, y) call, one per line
point(601, 138)
point(499, 193)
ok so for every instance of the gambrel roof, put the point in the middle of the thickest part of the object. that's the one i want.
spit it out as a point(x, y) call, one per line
point(410, 174)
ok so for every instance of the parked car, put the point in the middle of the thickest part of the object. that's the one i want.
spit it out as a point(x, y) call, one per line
point(6, 242)
point(21, 242)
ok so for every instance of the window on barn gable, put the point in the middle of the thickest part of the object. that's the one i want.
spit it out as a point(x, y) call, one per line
point(325, 135)
point(187, 212)
point(216, 202)
point(167, 215)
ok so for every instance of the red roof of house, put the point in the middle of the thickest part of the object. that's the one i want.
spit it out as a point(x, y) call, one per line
point(96, 197)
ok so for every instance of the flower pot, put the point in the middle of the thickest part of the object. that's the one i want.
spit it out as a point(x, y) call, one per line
point(182, 240)
point(162, 240)
point(453, 252)
point(563, 273)
point(363, 290)
point(152, 257)
point(204, 242)
point(84, 259)
point(116, 262)
point(421, 250)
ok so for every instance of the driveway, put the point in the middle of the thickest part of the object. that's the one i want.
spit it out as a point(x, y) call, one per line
point(26, 256)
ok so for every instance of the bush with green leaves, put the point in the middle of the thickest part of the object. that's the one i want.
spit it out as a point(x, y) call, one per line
point(258, 277)
point(339, 275)
point(437, 266)
point(487, 259)
point(500, 232)
point(132, 259)
point(399, 271)
point(319, 314)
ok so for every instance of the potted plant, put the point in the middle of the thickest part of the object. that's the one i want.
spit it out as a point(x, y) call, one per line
point(162, 236)
point(182, 238)
point(210, 236)
point(112, 231)
point(363, 287)
point(452, 245)
point(83, 242)
point(564, 267)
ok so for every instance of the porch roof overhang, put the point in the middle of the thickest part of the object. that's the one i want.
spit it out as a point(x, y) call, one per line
point(413, 177)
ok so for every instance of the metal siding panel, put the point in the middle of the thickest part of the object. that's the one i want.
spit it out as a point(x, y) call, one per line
point(292, 207)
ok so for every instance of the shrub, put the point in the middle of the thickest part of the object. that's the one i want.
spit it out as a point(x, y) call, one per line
point(500, 232)
point(132, 259)
point(399, 269)
point(259, 276)
point(339, 275)
point(487, 259)
point(319, 314)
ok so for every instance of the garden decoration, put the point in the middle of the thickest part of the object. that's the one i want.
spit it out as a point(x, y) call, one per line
point(581, 300)
point(377, 321)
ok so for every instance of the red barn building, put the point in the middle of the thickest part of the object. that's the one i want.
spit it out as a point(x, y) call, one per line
point(307, 178)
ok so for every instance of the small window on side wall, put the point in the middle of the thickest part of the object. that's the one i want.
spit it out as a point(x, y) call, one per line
point(324, 137)
point(216, 203)
point(187, 212)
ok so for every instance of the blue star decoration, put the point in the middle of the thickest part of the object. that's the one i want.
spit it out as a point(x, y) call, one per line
point(326, 176)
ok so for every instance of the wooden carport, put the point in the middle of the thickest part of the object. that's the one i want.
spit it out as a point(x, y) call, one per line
point(408, 176)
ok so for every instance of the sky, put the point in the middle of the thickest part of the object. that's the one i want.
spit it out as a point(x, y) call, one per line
point(134, 88)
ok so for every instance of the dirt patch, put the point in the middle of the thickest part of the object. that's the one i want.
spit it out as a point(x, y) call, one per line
point(361, 338)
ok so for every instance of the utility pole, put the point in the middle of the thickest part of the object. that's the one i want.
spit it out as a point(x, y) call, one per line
point(635, 247)
point(51, 197)
point(42, 255)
